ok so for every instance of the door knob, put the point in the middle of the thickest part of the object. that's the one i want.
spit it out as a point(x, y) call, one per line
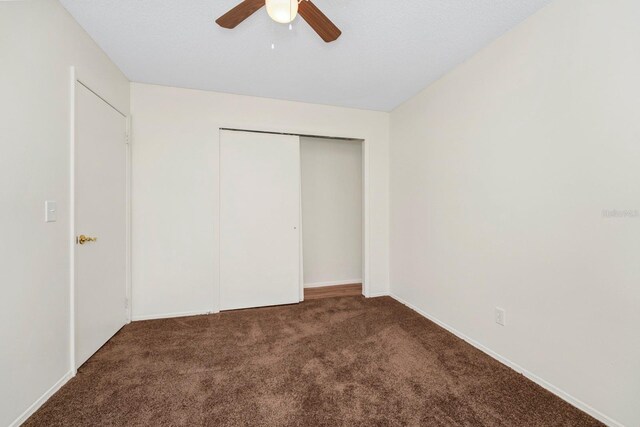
point(82, 239)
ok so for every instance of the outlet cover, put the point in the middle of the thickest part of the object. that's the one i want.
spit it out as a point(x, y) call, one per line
point(501, 316)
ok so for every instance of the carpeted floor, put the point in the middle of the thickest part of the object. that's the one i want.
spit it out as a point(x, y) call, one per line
point(340, 361)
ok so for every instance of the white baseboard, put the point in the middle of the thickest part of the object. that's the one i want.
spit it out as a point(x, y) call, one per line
point(533, 377)
point(38, 403)
point(333, 283)
point(379, 294)
point(169, 315)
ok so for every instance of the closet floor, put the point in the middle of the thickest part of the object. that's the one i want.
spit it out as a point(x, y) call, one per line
point(353, 290)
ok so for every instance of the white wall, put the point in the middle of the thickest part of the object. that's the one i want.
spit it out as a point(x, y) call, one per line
point(331, 211)
point(175, 186)
point(39, 41)
point(499, 175)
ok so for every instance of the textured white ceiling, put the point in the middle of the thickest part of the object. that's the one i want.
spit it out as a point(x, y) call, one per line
point(389, 49)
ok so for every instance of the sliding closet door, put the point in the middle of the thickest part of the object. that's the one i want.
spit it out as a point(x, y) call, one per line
point(259, 219)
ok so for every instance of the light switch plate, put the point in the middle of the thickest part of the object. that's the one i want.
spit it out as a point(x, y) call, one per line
point(50, 211)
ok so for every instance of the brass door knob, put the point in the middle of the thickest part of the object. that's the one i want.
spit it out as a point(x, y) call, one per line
point(82, 239)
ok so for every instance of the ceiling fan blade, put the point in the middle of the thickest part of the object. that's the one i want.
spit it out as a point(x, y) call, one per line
point(239, 13)
point(318, 21)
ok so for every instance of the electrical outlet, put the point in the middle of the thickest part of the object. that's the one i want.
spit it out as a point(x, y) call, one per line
point(501, 316)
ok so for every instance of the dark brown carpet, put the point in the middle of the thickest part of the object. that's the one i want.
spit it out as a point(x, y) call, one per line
point(341, 361)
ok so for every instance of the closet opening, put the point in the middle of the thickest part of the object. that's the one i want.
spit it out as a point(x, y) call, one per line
point(332, 216)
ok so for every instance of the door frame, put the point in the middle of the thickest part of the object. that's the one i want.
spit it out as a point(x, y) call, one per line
point(78, 78)
point(366, 202)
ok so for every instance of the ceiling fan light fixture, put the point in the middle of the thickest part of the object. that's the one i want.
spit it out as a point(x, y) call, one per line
point(282, 11)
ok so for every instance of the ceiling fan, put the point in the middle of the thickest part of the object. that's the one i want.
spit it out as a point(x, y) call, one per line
point(283, 11)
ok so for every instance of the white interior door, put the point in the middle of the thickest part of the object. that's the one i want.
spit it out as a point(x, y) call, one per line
point(100, 212)
point(259, 219)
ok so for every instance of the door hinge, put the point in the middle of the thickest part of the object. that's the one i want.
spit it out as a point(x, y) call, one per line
point(127, 135)
point(126, 303)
